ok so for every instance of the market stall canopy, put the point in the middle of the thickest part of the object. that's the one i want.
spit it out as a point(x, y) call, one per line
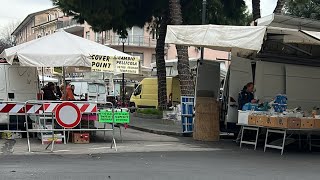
point(60, 49)
point(243, 39)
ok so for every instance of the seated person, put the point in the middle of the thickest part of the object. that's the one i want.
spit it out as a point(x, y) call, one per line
point(246, 95)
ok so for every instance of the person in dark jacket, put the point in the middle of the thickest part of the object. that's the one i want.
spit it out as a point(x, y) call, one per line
point(72, 89)
point(48, 92)
point(246, 95)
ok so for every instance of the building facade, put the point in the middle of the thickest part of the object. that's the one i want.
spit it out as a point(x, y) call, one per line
point(140, 41)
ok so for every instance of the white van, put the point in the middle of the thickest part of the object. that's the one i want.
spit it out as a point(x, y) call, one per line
point(94, 90)
point(17, 84)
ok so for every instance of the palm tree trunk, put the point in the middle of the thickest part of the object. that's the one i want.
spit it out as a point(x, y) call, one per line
point(256, 9)
point(161, 65)
point(185, 77)
point(280, 4)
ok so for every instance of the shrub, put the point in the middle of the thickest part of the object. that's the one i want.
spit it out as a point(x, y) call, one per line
point(150, 111)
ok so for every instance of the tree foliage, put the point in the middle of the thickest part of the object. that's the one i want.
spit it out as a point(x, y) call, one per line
point(303, 8)
point(6, 40)
point(223, 12)
point(256, 11)
point(122, 14)
point(279, 6)
point(117, 15)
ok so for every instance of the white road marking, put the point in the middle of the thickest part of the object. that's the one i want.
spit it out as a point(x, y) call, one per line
point(100, 148)
point(62, 150)
point(156, 145)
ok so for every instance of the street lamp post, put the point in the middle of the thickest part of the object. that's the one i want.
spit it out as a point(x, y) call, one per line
point(204, 8)
point(123, 40)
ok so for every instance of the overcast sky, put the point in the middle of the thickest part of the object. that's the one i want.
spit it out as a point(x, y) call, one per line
point(17, 10)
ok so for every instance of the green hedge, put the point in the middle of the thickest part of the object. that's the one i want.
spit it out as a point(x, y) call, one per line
point(149, 111)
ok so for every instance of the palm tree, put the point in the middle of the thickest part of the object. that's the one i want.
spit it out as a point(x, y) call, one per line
point(161, 65)
point(185, 77)
point(279, 7)
point(256, 9)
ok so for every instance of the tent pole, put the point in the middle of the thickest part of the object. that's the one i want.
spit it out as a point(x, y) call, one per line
point(64, 84)
point(42, 71)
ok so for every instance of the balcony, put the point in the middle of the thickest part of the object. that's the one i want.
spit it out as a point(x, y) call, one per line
point(70, 25)
point(139, 41)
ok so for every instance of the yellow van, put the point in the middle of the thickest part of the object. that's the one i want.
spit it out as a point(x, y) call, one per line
point(146, 93)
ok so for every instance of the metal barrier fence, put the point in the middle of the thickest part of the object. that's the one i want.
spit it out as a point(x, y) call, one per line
point(44, 111)
point(12, 112)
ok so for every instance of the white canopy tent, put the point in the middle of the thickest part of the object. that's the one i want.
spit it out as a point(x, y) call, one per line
point(240, 40)
point(60, 49)
point(236, 39)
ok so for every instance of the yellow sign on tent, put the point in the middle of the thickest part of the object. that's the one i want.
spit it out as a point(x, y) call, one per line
point(102, 63)
point(128, 65)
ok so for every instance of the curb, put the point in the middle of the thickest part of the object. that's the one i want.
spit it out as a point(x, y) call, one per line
point(160, 132)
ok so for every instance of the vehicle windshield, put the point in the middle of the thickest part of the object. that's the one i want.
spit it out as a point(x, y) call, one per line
point(102, 89)
point(138, 90)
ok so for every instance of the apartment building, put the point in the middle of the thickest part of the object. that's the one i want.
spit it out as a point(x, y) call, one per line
point(140, 41)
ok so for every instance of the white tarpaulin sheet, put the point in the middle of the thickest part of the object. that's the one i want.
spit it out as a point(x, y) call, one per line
point(59, 49)
point(219, 37)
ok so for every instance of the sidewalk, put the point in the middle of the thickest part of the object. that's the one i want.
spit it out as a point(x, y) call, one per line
point(157, 126)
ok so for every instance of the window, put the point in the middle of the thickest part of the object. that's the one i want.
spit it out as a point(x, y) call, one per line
point(92, 88)
point(88, 35)
point(154, 33)
point(102, 89)
point(135, 36)
point(108, 35)
point(97, 37)
point(153, 58)
point(49, 17)
point(138, 90)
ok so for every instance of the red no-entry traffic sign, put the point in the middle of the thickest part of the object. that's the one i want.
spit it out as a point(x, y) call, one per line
point(68, 115)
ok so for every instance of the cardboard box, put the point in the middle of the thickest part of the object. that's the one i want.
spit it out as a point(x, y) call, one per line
point(252, 119)
point(294, 123)
point(317, 123)
point(281, 122)
point(271, 121)
point(261, 120)
point(81, 138)
point(307, 123)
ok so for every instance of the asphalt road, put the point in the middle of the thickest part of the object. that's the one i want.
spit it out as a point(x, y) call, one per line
point(229, 165)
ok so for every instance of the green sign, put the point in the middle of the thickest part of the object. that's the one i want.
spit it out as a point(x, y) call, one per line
point(105, 116)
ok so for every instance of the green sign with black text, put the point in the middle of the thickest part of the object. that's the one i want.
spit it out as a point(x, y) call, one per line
point(105, 116)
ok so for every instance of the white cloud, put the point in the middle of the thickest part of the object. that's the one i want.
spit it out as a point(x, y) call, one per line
point(17, 10)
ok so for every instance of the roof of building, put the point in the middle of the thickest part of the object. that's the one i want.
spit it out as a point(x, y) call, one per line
point(28, 18)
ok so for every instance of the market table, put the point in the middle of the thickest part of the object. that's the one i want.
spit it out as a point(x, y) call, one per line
point(276, 130)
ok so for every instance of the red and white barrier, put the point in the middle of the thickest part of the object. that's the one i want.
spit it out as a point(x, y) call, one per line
point(44, 109)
